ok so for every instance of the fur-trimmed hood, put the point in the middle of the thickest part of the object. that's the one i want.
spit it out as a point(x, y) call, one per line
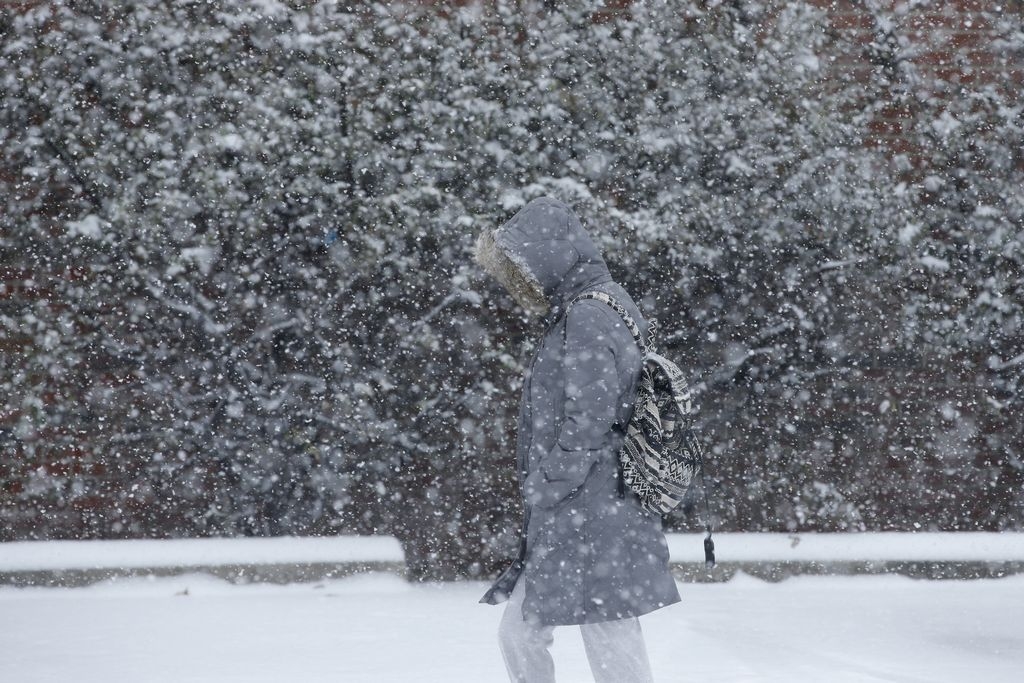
point(542, 255)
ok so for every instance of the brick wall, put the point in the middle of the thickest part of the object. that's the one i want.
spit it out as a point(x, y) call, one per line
point(50, 469)
point(948, 41)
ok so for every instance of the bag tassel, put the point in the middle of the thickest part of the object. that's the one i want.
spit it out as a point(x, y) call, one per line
point(709, 543)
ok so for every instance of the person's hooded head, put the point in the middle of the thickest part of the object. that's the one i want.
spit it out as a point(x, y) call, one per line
point(542, 255)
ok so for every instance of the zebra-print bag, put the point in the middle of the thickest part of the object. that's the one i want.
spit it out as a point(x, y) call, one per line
point(661, 454)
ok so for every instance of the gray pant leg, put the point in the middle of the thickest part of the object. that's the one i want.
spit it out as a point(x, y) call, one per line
point(616, 651)
point(524, 646)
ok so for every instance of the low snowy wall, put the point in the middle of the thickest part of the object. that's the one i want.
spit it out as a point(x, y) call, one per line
point(289, 559)
point(279, 560)
point(775, 556)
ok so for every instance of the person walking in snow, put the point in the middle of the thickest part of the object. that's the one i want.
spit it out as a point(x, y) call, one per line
point(588, 555)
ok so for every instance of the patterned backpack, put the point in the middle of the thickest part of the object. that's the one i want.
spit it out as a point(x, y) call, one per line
point(661, 454)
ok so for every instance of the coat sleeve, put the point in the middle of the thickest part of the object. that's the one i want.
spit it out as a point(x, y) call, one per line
point(591, 394)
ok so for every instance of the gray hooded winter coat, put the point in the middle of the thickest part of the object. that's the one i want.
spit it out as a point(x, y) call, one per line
point(587, 554)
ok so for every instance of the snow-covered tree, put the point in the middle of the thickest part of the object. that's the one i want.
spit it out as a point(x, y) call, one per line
point(253, 308)
point(954, 459)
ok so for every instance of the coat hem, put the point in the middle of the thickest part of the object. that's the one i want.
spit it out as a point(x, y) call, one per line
point(598, 620)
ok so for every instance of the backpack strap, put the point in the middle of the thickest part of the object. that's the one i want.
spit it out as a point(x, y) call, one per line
point(634, 329)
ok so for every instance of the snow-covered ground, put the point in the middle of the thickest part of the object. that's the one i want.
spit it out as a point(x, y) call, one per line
point(379, 628)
